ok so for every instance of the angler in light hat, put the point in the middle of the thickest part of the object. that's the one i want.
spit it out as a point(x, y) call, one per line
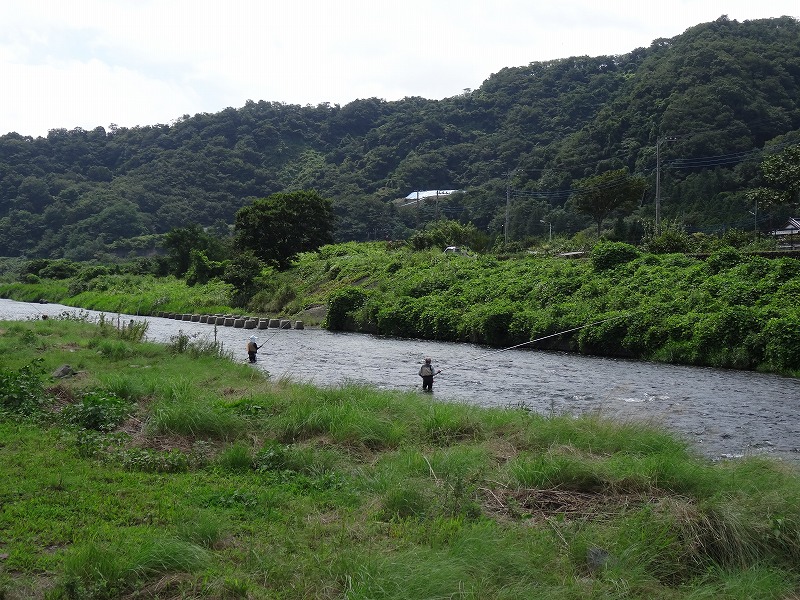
point(252, 348)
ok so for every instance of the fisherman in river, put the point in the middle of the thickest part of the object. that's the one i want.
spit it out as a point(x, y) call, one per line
point(252, 348)
point(426, 372)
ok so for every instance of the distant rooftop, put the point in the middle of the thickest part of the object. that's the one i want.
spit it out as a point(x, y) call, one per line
point(421, 195)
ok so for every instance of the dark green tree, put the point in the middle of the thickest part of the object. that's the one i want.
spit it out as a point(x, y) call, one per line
point(242, 272)
point(180, 242)
point(782, 171)
point(202, 270)
point(277, 228)
point(601, 195)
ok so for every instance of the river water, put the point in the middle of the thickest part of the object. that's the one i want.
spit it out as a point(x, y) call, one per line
point(722, 413)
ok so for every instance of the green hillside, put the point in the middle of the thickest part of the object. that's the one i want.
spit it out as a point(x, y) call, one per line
point(517, 147)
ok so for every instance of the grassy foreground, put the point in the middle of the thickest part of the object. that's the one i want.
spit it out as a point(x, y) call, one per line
point(168, 471)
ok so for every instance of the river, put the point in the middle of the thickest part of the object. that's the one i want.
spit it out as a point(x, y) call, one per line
point(722, 413)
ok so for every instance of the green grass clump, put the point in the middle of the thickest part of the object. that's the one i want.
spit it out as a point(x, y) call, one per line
point(180, 475)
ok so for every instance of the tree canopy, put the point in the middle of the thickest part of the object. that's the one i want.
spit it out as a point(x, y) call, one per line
point(601, 195)
point(277, 228)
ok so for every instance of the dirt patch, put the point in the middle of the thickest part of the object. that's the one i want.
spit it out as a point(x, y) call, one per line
point(538, 505)
point(169, 587)
point(317, 312)
point(62, 396)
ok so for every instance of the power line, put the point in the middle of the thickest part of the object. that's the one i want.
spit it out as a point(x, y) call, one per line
point(681, 163)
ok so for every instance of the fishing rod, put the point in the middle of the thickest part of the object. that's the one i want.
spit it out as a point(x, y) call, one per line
point(28, 306)
point(539, 339)
point(270, 337)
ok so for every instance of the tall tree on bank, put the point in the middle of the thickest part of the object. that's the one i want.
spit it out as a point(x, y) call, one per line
point(601, 195)
point(180, 242)
point(277, 228)
point(782, 173)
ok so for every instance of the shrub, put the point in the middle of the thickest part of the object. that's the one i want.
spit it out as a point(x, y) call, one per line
point(783, 343)
point(22, 392)
point(672, 238)
point(607, 255)
point(97, 411)
point(59, 269)
point(444, 233)
point(340, 304)
point(723, 259)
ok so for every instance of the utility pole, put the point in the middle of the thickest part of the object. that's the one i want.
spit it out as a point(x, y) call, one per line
point(659, 141)
point(549, 224)
point(508, 205)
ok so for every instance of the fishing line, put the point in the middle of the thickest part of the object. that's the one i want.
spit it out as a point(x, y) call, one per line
point(28, 306)
point(272, 336)
point(539, 339)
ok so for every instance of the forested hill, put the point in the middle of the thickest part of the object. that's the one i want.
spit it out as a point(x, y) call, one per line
point(727, 91)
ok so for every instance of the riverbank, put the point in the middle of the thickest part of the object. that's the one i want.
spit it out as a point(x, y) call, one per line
point(729, 310)
point(170, 470)
point(722, 413)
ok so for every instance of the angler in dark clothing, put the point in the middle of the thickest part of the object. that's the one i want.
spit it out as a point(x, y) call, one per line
point(252, 348)
point(426, 372)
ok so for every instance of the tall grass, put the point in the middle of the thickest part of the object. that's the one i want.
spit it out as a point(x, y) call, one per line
point(95, 570)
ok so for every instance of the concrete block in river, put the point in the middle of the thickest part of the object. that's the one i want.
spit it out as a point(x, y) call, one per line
point(229, 321)
point(286, 324)
point(275, 323)
point(263, 323)
point(195, 318)
point(298, 325)
point(250, 323)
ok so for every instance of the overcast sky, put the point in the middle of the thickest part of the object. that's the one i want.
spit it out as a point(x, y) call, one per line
point(89, 63)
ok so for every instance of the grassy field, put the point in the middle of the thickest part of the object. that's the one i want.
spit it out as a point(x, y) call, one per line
point(168, 471)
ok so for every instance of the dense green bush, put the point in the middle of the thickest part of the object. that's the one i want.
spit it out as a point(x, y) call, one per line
point(607, 255)
point(96, 410)
point(21, 390)
point(340, 304)
point(443, 233)
point(724, 258)
point(782, 351)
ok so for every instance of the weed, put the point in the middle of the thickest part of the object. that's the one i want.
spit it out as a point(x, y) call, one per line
point(179, 343)
point(98, 411)
point(201, 528)
point(236, 458)
point(22, 392)
point(134, 331)
point(153, 461)
point(195, 417)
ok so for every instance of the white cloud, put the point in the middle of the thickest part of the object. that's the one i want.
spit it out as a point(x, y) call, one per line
point(86, 63)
